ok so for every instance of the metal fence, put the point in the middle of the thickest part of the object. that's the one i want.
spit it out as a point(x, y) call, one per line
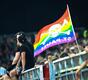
point(33, 74)
point(64, 68)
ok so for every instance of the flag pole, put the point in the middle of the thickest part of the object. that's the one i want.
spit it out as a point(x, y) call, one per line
point(73, 29)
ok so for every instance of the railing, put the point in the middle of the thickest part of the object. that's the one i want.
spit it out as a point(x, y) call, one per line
point(33, 74)
point(65, 69)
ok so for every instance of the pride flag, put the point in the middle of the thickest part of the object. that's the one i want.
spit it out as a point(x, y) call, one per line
point(58, 32)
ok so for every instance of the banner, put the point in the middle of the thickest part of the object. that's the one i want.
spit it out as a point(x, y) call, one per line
point(58, 32)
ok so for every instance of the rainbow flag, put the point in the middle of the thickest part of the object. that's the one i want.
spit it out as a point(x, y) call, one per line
point(58, 32)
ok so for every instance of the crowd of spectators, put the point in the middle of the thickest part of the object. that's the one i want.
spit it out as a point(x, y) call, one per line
point(63, 50)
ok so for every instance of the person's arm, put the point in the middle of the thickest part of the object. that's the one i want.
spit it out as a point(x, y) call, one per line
point(16, 58)
point(18, 63)
point(82, 66)
point(23, 60)
point(78, 70)
point(15, 61)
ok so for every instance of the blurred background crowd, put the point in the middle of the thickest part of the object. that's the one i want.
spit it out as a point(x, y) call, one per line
point(8, 46)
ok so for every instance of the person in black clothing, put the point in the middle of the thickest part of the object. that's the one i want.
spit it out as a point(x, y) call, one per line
point(24, 56)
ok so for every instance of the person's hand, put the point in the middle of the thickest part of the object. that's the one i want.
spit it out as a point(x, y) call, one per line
point(77, 72)
point(22, 71)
